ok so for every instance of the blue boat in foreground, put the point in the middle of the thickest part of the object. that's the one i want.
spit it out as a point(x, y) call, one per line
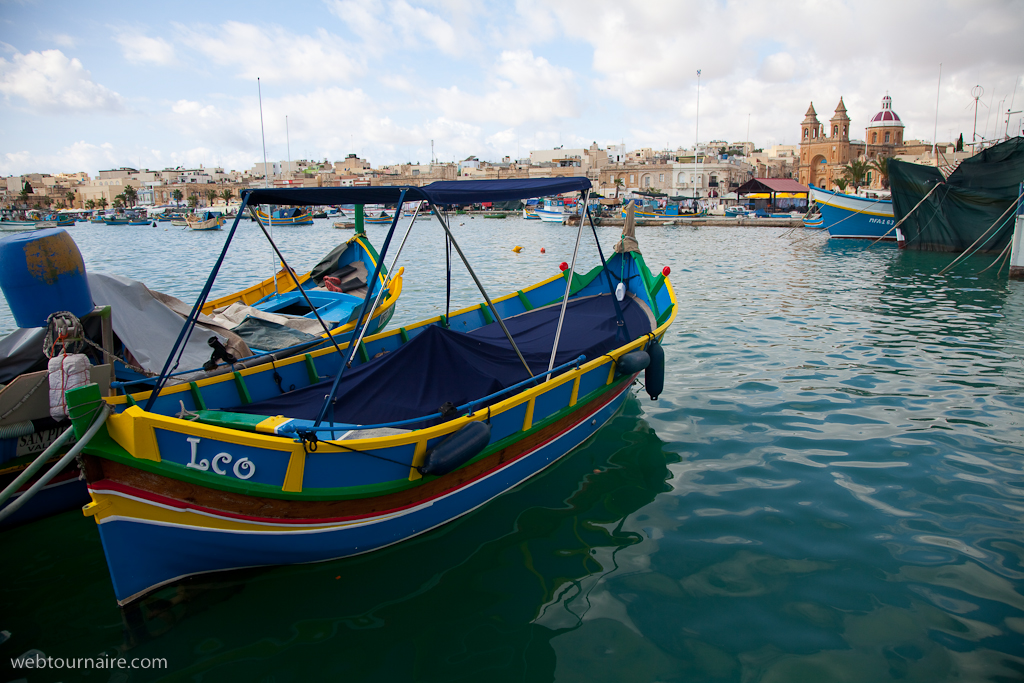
point(353, 448)
point(259, 324)
point(851, 216)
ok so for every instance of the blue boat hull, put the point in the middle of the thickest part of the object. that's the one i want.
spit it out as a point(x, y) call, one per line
point(142, 555)
point(848, 224)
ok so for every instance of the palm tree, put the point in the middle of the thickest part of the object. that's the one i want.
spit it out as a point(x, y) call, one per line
point(70, 196)
point(90, 204)
point(210, 196)
point(102, 202)
point(882, 166)
point(618, 182)
point(841, 183)
point(226, 195)
point(177, 196)
point(130, 195)
point(119, 201)
point(854, 172)
point(193, 200)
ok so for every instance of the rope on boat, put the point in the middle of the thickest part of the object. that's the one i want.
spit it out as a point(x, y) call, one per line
point(967, 252)
point(900, 221)
point(100, 418)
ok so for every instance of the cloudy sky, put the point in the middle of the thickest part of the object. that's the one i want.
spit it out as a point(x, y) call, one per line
point(91, 85)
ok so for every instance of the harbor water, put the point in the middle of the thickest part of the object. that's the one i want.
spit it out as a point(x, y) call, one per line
point(830, 488)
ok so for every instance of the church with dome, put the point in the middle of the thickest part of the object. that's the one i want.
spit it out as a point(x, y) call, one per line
point(825, 151)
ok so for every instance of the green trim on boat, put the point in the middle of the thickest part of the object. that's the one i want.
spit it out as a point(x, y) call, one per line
point(522, 299)
point(314, 376)
point(243, 391)
point(197, 396)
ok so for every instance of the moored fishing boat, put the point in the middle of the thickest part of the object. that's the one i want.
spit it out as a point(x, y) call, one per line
point(381, 219)
point(265, 321)
point(287, 216)
point(349, 449)
point(207, 220)
point(850, 216)
point(969, 208)
point(551, 211)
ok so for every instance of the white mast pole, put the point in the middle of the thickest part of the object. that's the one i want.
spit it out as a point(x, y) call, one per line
point(696, 139)
point(935, 133)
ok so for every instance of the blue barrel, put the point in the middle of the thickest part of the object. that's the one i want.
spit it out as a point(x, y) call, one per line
point(41, 272)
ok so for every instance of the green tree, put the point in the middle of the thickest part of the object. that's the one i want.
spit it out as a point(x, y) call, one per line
point(90, 204)
point(618, 182)
point(226, 195)
point(70, 196)
point(177, 196)
point(119, 201)
point(841, 183)
point(193, 200)
point(46, 201)
point(130, 195)
point(26, 191)
point(960, 143)
point(102, 202)
point(211, 195)
point(881, 165)
point(854, 172)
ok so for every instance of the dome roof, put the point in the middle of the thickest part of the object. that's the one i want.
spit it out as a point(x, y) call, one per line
point(887, 116)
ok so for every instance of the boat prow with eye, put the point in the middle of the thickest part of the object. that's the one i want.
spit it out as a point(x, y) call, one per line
point(382, 437)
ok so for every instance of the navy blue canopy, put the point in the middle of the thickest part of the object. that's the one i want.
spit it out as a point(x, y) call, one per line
point(440, 365)
point(443, 193)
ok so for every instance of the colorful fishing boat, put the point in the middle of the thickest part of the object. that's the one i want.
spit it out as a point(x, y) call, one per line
point(382, 219)
point(551, 211)
point(967, 208)
point(287, 216)
point(349, 449)
point(848, 216)
point(265, 321)
point(207, 220)
point(649, 209)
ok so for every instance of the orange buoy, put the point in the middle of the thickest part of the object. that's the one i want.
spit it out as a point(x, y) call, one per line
point(542, 250)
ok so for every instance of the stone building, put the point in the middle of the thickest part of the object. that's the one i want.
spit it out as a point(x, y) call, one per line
point(823, 156)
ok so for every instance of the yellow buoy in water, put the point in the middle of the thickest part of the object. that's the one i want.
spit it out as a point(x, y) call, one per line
point(517, 249)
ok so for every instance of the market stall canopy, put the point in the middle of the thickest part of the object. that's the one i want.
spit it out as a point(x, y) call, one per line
point(773, 186)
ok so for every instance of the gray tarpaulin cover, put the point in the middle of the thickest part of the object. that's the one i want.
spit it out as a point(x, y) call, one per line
point(148, 326)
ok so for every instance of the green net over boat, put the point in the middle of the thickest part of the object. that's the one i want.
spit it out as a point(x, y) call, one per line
point(969, 210)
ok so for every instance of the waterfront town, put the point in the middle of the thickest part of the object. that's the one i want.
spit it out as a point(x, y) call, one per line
point(712, 170)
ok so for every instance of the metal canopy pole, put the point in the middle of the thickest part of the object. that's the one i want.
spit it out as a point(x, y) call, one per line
point(568, 285)
point(193, 316)
point(380, 293)
point(480, 286)
point(295, 278)
point(362, 321)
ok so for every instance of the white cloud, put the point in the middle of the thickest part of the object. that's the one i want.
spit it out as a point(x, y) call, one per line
point(49, 81)
point(778, 68)
point(79, 156)
point(525, 89)
point(414, 26)
point(64, 40)
point(141, 49)
point(274, 54)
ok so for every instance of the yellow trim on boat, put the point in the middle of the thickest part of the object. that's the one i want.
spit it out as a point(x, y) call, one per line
point(296, 468)
point(135, 427)
point(419, 457)
point(270, 425)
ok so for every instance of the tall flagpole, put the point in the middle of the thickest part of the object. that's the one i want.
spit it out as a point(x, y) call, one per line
point(696, 139)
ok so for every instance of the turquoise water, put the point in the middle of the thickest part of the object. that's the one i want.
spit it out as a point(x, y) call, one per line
point(829, 489)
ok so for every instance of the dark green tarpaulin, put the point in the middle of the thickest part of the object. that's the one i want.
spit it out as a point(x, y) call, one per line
point(961, 213)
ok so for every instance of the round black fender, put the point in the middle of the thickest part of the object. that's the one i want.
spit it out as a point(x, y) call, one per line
point(654, 376)
point(458, 449)
point(632, 362)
